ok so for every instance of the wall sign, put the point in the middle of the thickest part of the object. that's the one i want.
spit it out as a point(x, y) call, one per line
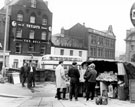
point(33, 26)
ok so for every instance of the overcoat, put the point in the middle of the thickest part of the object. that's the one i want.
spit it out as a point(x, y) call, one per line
point(60, 77)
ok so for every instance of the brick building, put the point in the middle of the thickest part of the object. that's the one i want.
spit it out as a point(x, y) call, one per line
point(101, 44)
point(29, 36)
point(85, 42)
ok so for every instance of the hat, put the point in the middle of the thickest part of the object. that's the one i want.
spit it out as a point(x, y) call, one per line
point(92, 65)
point(74, 63)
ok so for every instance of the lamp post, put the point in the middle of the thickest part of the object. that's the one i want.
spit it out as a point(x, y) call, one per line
point(5, 39)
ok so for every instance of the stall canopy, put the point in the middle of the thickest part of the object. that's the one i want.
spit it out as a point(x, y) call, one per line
point(119, 67)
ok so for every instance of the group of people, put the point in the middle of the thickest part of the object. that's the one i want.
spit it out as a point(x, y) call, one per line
point(27, 74)
point(73, 78)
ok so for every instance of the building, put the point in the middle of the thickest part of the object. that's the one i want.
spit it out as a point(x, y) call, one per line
point(70, 42)
point(86, 42)
point(130, 45)
point(29, 36)
point(101, 44)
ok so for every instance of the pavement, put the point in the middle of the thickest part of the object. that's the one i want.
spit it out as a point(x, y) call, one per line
point(13, 95)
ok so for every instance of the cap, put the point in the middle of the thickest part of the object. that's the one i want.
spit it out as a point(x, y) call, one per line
point(74, 63)
point(92, 65)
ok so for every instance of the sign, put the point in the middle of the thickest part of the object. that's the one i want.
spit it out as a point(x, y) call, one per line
point(28, 25)
point(132, 14)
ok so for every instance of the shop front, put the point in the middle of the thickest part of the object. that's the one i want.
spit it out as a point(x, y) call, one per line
point(113, 77)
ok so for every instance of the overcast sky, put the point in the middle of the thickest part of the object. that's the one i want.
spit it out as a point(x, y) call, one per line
point(96, 14)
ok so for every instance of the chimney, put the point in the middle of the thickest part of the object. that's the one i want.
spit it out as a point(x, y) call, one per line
point(62, 30)
point(46, 2)
point(83, 24)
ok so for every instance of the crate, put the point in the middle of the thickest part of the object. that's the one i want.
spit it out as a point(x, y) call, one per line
point(132, 90)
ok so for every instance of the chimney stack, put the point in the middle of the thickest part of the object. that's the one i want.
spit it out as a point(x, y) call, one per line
point(46, 2)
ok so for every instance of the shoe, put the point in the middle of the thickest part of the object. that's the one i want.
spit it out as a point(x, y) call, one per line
point(59, 98)
point(64, 99)
point(23, 85)
point(70, 99)
point(76, 99)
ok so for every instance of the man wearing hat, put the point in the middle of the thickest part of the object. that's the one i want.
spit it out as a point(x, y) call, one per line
point(74, 75)
point(90, 77)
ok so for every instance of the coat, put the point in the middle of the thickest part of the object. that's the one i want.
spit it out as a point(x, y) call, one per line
point(60, 77)
point(74, 75)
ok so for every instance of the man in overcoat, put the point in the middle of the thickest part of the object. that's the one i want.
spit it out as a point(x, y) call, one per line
point(60, 81)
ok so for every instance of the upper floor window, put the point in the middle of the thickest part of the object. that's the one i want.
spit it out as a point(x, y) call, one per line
point(33, 3)
point(32, 19)
point(42, 49)
point(31, 34)
point(19, 17)
point(44, 21)
point(93, 39)
point(43, 35)
point(19, 32)
point(18, 48)
point(31, 47)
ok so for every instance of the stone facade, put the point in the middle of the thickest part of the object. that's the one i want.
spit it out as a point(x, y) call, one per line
point(130, 45)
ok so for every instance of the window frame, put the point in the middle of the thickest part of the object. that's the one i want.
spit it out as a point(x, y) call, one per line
point(20, 17)
point(44, 37)
point(31, 36)
point(19, 48)
point(19, 32)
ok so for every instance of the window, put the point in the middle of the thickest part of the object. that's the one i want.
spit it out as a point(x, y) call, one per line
point(93, 51)
point(71, 52)
point(31, 35)
point(61, 52)
point(18, 48)
point(15, 63)
point(43, 35)
point(31, 47)
point(32, 19)
point(19, 17)
point(80, 53)
point(42, 49)
point(132, 47)
point(33, 3)
point(44, 21)
point(93, 39)
point(19, 32)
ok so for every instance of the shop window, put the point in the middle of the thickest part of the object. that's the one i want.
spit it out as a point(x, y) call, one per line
point(33, 3)
point(19, 17)
point(31, 34)
point(19, 32)
point(18, 48)
point(43, 35)
point(61, 52)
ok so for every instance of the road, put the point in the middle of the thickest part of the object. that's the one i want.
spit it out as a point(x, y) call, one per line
point(43, 96)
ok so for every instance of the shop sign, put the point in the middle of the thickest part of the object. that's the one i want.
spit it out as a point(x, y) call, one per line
point(33, 26)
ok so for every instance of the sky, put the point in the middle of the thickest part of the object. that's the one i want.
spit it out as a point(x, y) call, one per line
point(96, 14)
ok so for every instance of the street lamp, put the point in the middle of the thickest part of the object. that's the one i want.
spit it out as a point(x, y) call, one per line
point(5, 38)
